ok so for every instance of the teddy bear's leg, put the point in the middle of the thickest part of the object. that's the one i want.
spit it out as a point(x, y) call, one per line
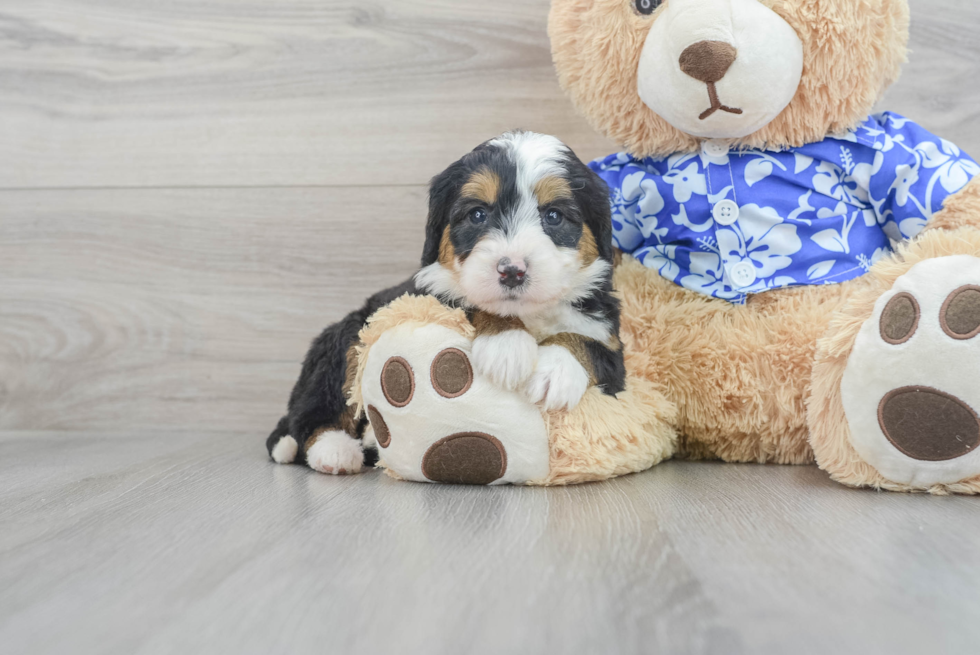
point(895, 400)
point(436, 418)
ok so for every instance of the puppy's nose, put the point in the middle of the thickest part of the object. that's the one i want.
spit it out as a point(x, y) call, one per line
point(708, 61)
point(512, 274)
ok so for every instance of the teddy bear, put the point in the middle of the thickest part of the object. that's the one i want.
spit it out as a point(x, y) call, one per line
point(800, 279)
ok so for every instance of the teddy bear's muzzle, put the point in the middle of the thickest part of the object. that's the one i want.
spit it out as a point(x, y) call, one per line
point(741, 54)
point(708, 62)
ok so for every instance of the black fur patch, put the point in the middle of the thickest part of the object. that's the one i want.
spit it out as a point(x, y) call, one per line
point(318, 399)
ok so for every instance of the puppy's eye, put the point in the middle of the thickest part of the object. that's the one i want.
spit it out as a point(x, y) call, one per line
point(554, 217)
point(478, 216)
point(646, 7)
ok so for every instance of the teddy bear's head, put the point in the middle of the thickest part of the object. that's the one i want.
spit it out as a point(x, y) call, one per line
point(658, 76)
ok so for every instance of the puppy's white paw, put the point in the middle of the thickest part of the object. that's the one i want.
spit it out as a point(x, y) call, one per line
point(284, 452)
point(335, 453)
point(507, 359)
point(559, 382)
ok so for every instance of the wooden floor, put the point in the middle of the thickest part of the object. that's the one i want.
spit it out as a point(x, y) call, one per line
point(157, 542)
point(189, 191)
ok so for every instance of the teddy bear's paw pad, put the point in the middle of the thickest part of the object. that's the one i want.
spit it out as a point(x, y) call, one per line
point(437, 418)
point(398, 382)
point(929, 425)
point(910, 390)
point(451, 373)
point(467, 458)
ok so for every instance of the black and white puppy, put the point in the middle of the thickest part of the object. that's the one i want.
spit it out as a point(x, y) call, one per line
point(519, 235)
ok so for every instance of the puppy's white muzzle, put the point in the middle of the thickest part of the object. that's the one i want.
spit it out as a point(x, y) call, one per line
point(719, 69)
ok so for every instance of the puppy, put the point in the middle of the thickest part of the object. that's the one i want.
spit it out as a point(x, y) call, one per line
point(519, 235)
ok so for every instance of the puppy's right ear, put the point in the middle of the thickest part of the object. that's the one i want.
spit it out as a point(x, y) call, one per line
point(442, 195)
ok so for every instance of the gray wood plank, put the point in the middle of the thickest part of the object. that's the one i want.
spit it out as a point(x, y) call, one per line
point(330, 92)
point(246, 92)
point(943, 55)
point(157, 542)
point(188, 309)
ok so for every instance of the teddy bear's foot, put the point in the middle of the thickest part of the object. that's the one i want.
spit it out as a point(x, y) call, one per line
point(911, 389)
point(436, 418)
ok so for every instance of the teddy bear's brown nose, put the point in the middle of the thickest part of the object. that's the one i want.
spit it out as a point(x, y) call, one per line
point(708, 61)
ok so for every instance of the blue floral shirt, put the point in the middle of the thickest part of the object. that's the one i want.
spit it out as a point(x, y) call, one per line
point(729, 224)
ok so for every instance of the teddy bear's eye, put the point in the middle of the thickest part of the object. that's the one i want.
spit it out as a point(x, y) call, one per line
point(646, 7)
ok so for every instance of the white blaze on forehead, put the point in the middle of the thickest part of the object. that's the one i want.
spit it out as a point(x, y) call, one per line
point(536, 156)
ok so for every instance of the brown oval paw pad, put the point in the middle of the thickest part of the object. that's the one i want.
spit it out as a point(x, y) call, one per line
point(960, 315)
point(465, 458)
point(398, 382)
point(929, 425)
point(381, 431)
point(451, 373)
point(900, 319)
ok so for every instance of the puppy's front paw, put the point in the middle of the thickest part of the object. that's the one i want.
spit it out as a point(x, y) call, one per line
point(335, 453)
point(559, 381)
point(507, 359)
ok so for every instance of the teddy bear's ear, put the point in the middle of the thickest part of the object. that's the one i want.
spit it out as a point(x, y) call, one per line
point(442, 195)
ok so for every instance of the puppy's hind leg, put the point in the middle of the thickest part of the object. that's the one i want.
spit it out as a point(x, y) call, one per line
point(327, 430)
point(281, 445)
point(320, 428)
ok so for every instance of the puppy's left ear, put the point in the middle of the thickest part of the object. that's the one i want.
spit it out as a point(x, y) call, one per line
point(442, 194)
point(592, 195)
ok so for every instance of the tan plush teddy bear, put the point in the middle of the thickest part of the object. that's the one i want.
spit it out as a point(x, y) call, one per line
point(801, 280)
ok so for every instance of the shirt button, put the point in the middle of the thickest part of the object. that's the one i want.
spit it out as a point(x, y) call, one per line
point(742, 274)
point(726, 212)
point(714, 148)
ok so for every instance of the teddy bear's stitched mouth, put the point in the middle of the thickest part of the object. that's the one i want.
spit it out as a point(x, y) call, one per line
point(716, 103)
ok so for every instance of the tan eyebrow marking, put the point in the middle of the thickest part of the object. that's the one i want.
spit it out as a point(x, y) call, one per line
point(551, 189)
point(483, 185)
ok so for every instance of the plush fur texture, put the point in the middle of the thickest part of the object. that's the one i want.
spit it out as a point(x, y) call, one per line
point(852, 52)
point(738, 375)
